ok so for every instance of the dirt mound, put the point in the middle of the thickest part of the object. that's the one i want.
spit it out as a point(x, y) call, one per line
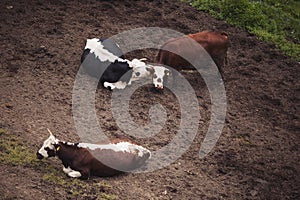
point(256, 157)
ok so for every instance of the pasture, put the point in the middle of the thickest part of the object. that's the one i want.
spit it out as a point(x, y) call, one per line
point(256, 157)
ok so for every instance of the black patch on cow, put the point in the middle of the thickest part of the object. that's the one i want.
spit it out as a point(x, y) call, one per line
point(50, 152)
point(84, 54)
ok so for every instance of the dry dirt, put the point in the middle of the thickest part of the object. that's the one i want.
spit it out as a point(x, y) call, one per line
point(257, 155)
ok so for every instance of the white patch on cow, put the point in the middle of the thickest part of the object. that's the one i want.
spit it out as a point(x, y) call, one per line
point(43, 152)
point(74, 174)
point(119, 85)
point(67, 170)
point(121, 146)
point(69, 143)
point(137, 62)
point(103, 54)
point(109, 85)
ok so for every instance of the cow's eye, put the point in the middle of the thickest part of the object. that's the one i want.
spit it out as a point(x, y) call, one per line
point(47, 148)
point(154, 76)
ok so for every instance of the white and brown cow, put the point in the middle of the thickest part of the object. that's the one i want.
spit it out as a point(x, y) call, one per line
point(107, 158)
point(104, 60)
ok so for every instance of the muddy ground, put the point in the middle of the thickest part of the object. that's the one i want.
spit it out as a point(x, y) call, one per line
point(256, 157)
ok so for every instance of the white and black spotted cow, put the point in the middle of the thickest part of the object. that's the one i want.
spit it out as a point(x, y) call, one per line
point(104, 60)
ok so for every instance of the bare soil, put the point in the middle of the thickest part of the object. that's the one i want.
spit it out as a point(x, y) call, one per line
point(256, 157)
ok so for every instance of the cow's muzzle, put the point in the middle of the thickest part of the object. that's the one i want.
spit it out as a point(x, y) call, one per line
point(39, 156)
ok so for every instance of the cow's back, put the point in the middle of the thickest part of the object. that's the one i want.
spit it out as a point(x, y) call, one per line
point(107, 162)
point(170, 52)
point(112, 47)
point(215, 43)
point(109, 45)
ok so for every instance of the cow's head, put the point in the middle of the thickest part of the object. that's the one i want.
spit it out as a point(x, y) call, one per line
point(159, 73)
point(48, 148)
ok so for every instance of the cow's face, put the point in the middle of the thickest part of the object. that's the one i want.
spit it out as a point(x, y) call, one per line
point(159, 73)
point(48, 148)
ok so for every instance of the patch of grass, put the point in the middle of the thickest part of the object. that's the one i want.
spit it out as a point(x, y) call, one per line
point(106, 196)
point(274, 21)
point(14, 152)
point(78, 188)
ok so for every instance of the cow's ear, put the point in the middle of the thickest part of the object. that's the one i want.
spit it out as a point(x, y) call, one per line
point(150, 69)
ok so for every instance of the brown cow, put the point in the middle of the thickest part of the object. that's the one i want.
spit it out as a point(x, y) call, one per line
point(215, 43)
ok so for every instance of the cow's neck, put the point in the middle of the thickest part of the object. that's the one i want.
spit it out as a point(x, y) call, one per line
point(66, 152)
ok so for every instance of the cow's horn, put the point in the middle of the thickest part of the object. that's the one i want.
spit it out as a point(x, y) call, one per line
point(49, 131)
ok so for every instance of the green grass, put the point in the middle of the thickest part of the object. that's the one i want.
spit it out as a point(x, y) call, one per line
point(79, 188)
point(14, 152)
point(274, 21)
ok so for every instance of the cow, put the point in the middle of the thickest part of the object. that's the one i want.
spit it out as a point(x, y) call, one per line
point(107, 158)
point(215, 43)
point(105, 57)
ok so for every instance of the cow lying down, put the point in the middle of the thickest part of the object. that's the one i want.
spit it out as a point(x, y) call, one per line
point(104, 60)
point(105, 159)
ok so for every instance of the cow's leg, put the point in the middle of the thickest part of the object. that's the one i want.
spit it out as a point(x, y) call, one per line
point(74, 174)
point(85, 173)
point(220, 64)
point(226, 61)
point(109, 86)
point(67, 170)
point(130, 81)
point(119, 85)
